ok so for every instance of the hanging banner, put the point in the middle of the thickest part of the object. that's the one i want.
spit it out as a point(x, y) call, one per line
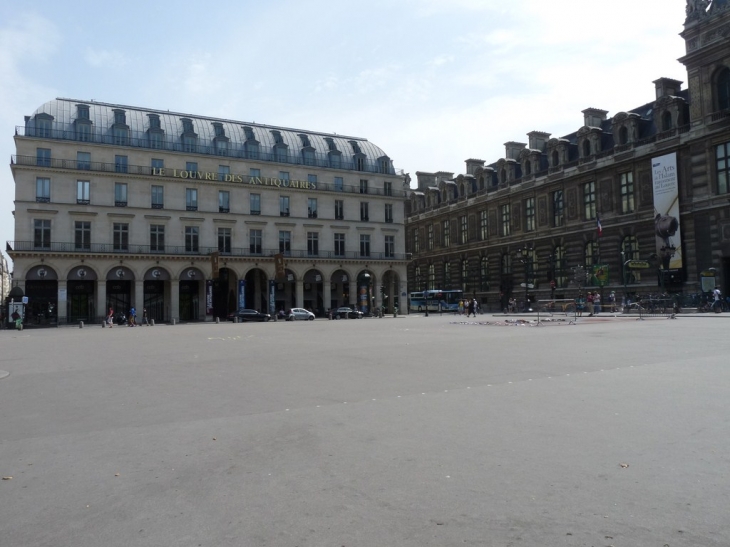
point(272, 297)
point(665, 178)
point(241, 294)
point(208, 297)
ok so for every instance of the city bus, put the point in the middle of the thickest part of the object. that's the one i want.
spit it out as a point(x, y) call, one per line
point(437, 300)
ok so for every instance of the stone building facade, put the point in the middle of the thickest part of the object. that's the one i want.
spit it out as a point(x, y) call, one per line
point(592, 209)
point(193, 217)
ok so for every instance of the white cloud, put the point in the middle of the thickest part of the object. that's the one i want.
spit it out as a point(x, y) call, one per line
point(104, 58)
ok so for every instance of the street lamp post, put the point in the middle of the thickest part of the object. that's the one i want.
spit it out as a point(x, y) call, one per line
point(526, 258)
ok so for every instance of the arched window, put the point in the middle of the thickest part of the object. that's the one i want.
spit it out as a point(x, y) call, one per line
point(431, 277)
point(556, 158)
point(560, 274)
point(623, 135)
point(723, 89)
point(666, 121)
point(528, 167)
point(465, 274)
point(481, 183)
point(586, 148)
point(503, 175)
point(484, 274)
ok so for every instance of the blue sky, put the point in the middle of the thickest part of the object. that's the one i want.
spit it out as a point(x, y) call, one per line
point(431, 82)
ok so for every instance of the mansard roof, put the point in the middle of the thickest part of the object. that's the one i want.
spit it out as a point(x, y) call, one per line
point(137, 119)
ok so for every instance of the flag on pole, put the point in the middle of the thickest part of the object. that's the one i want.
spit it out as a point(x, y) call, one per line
point(598, 226)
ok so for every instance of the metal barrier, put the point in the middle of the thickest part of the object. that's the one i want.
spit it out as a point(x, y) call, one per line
point(561, 307)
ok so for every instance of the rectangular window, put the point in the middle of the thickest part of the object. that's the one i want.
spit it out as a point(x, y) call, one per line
point(43, 128)
point(483, 225)
point(192, 239)
point(157, 238)
point(387, 188)
point(446, 229)
point(312, 243)
point(224, 240)
point(255, 241)
point(285, 242)
point(255, 173)
point(83, 160)
point(338, 184)
point(43, 157)
point(42, 190)
point(191, 199)
point(120, 164)
point(389, 212)
point(589, 200)
point(312, 179)
point(224, 172)
point(157, 163)
point(192, 168)
point(121, 136)
point(284, 206)
point(627, 192)
point(120, 241)
point(42, 234)
point(189, 144)
point(83, 132)
point(155, 139)
point(254, 201)
point(506, 220)
point(416, 242)
point(283, 175)
point(530, 215)
point(82, 235)
point(312, 207)
point(158, 197)
point(558, 211)
point(224, 201)
point(83, 189)
point(722, 157)
point(429, 237)
point(363, 186)
point(389, 246)
point(364, 245)
point(464, 232)
point(339, 209)
point(339, 244)
point(364, 215)
point(120, 194)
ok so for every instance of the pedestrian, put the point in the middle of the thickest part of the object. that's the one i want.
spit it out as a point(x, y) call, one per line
point(580, 304)
point(589, 303)
point(475, 306)
point(110, 318)
point(132, 316)
point(716, 305)
point(461, 307)
point(470, 308)
point(145, 319)
point(596, 303)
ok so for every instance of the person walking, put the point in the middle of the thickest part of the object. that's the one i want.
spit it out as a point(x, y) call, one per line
point(132, 317)
point(716, 305)
point(145, 319)
point(596, 303)
point(110, 318)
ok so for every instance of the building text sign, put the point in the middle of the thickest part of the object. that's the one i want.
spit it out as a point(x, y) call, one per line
point(220, 177)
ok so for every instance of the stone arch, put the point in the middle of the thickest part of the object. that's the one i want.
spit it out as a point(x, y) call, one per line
point(256, 290)
point(314, 298)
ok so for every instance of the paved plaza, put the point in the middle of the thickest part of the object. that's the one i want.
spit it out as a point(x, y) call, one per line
point(413, 432)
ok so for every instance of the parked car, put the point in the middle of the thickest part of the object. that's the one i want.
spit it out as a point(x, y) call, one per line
point(346, 313)
point(299, 314)
point(246, 315)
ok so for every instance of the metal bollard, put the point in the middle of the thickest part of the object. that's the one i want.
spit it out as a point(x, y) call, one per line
point(103, 324)
point(217, 320)
point(174, 321)
point(152, 322)
point(81, 324)
point(236, 319)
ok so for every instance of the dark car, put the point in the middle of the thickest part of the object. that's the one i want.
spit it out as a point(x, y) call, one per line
point(246, 315)
point(346, 313)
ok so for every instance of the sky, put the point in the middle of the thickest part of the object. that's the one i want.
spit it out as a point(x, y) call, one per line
point(431, 82)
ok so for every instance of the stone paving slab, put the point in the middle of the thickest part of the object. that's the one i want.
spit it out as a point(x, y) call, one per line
point(412, 432)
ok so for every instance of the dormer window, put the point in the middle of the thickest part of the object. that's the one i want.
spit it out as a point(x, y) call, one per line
point(154, 120)
point(355, 147)
point(218, 129)
point(384, 165)
point(43, 124)
point(623, 135)
point(82, 123)
point(120, 116)
point(187, 125)
point(555, 158)
point(528, 167)
point(666, 121)
point(331, 146)
point(248, 133)
point(305, 140)
point(82, 112)
point(278, 139)
point(586, 148)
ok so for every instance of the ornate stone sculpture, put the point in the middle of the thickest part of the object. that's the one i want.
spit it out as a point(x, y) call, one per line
point(697, 8)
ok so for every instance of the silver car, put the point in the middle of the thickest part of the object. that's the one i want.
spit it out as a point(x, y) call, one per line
point(300, 314)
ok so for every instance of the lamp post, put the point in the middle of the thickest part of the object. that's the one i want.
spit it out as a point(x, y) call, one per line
point(525, 254)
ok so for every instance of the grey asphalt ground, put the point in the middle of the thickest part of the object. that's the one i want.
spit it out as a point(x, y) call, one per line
point(413, 431)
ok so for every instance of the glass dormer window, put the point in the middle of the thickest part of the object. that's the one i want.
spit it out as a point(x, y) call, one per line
point(218, 129)
point(154, 121)
point(82, 112)
point(120, 116)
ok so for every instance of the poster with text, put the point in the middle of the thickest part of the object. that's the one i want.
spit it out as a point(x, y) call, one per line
point(665, 178)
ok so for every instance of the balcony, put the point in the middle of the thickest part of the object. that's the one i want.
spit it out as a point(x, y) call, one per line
point(180, 250)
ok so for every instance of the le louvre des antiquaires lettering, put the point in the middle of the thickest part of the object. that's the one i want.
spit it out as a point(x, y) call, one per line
point(215, 177)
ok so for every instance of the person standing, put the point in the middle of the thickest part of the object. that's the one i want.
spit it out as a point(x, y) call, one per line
point(596, 303)
point(110, 318)
point(589, 303)
point(580, 303)
point(132, 316)
point(145, 319)
point(716, 294)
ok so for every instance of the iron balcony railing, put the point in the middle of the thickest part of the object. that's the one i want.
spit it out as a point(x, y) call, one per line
point(143, 141)
point(182, 250)
point(146, 170)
